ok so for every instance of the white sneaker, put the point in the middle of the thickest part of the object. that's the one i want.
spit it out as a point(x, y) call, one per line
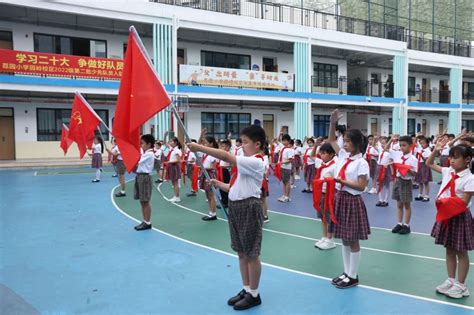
point(443, 288)
point(176, 199)
point(282, 199)
point(457, 292)
point(366, 189)
point(297, 177)
point(172, 199)
point(373, 191)
point(293, 186)
point(320, 242)
point(328, 244)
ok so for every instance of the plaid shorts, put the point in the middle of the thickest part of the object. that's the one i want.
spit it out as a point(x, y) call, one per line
point(245, 225)
point(143, 187)
point(285, 175)
point(403, 190)
point(120, 167)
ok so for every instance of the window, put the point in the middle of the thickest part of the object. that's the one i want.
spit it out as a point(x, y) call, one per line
point(220, 125)
point(468, 90)
point(325, 75)
point(468, 124)
point(56, 44)
point(411, 86)
point(6, 40)
point(321, 125)
point(50, 120)
point(411, 126)
point(224, 60)
point(390, 126)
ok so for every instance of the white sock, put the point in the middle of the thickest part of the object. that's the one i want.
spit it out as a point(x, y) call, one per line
point(400, 223)
point(354, 265)
point(406, 224)
point(253, 292)
point(147, 222)
point(211, 214)
point(346, 258)
point(247, 288)
point(122, 191)
point(97, 174)
point(452, 280)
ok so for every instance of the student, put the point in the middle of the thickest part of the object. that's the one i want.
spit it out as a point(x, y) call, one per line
point(340, 131)
point(326, 166)
point(97, 151)
point(383, 175)
point(119, 168)
point(456, 232)
point(190, 168)
point(225, 169)
point(237, 149)
point(143, 185)
point(111, 157)
point(296, 161)
point(158, 153)
point(372, 155)
point(423, 176)
point(209, 163)
point(173, 167)
point(308, 165)
point(245, 210)
point(352, 174)
point(405, 167)
point(293, 169)
point(265, 185)
point(285, 156)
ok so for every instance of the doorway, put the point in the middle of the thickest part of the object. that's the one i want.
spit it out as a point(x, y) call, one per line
point(7, 134)
point(268, 126)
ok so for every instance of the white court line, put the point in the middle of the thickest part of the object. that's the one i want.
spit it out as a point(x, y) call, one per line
point(283, 268)
point(310, 238)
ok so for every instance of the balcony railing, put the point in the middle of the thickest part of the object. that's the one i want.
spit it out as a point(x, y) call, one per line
point(430, 96)
point(352, 87)
point(468, 98)
point(312, 18)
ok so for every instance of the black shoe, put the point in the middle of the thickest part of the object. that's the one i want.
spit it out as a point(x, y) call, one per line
point(115, 175)
point(425, 199)
point(158, 181)
point(96, 180)
point(345, 284)
point(209, 218)
point(266, 219)
point(305, 190)
point(385, 204)
point(191, 194)
point(415, 186)
point(379, 204)
point(397, 228)
point(236, 298)
point(120, 194)
point(337, 279)
point(247, 302)
point(405, 230)
point(419, 198)
point(143, 226)
point(439, 183)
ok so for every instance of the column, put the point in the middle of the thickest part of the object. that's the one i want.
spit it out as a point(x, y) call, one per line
point(302, 110)
point(455, 85)
point(163, 62)
point(400, 90)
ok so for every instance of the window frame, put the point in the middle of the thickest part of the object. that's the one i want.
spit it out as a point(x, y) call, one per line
point(226, 124)
point(56, 38)
point(324, 69)
point(226, 59)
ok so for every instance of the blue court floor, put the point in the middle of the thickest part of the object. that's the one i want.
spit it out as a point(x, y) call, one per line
point(66, 249)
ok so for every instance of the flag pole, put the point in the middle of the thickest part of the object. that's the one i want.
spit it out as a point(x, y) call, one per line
point(102, 137)
point(175, 112)
point(92, 111)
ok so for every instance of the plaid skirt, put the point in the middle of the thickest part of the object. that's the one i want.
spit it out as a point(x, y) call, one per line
point(309, 172)
point(285, 175)
point(245, 226)
point(174, 172)
point(296, 162)
point(143, 187)
point(403, 190)
point(424, 175)
point(351, 216)
point(388, 176)
point(157, 164)
point(204, 183)
point(373, 168)
point(459, 233)
point(120, 167)
point(96, 160)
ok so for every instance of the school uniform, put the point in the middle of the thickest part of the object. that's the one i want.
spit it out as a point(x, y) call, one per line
point(190, 162)
point(143, 186)
point(225, 166)
point(97, 156)
point(325, 170)
point(119, 165)
point(372, 155)
point(403, 187)
point(296, 161)
point(443, 159)
point(424, 174)
point(286, 153)
point(245, 205)
point(383, 176)
point(349, 207)
point(174, 169)
point(207, 163)
point(265, 190)
point(158, 159)
point(458, 233)
point(309, 166)
point(278, 148)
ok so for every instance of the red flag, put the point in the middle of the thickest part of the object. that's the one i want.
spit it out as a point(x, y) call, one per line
point(65, 141)
point(83, 124)
point(141, 96)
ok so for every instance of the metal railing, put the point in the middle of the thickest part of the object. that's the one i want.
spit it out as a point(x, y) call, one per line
point(352, 87)
point(430, 96)
point(468, 98)
point(308, 17)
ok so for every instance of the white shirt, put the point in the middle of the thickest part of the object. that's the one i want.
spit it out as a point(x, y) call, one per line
point(175, 154)
point(146, 163)
point(115, 150)
point(250, 171)
point(158, 154)
point(340, 141)
point(445, 150)
point(97, 148)
point(207, 161)
point(266, 161)
point(374, 152)
point(425, 153)
point(396, 157)
point(465, 183)
point(191, 158)
point(384, 158)
point(395, 146)
point(308, 153)
point(298, 151)
point(237, 151)
point(328, 171)
point(356, 168)
point(288, 154)
point(224, 164)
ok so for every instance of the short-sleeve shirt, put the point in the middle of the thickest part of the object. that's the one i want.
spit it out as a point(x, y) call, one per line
point(97, 148)
point(146, 163)
point(175, 154)
point(287, 154)
point(115, 150)
point(465, 182)
point(207, 161)
point(250, 172)
point(358, 167)
point(396, 157)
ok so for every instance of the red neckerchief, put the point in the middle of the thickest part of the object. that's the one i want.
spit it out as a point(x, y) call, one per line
point(342, 172)
point(369, 156)
point(323, 166)
point(234, 173)
point(449, 207)
point(305, 156)
point(329, 199)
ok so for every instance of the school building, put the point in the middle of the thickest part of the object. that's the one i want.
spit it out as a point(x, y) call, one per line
point(233, 62)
